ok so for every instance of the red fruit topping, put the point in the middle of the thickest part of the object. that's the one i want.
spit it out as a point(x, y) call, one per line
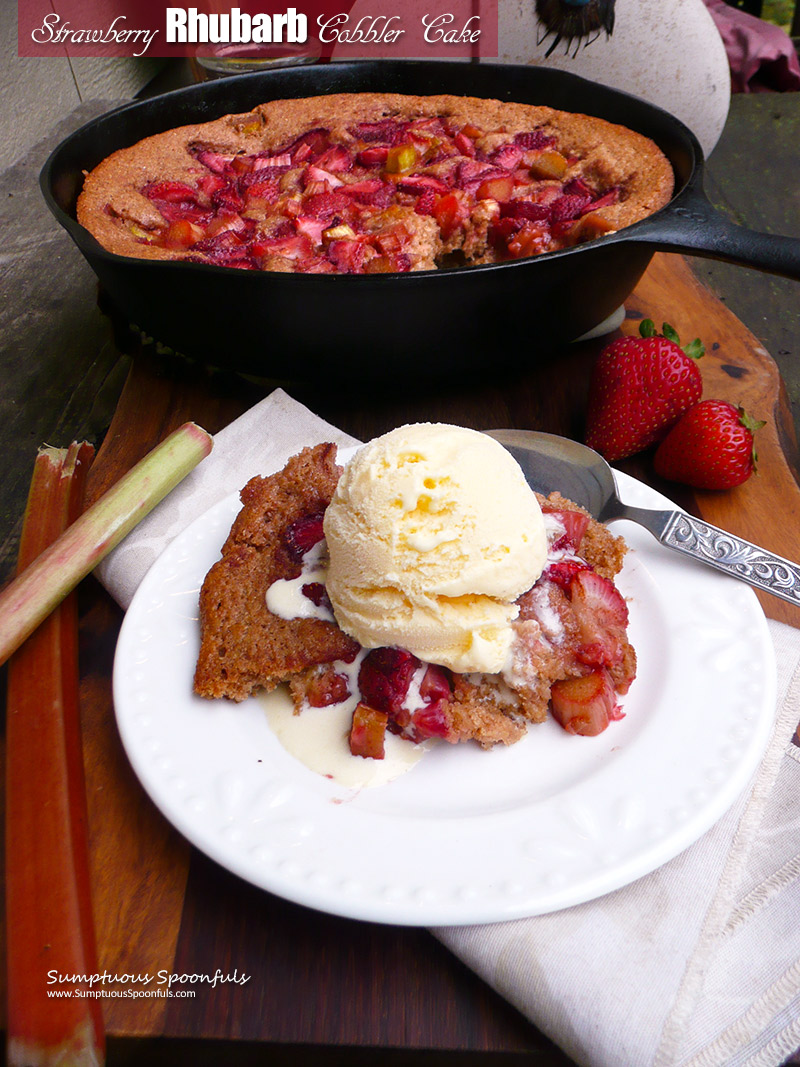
point(387, 131)
point(215, 161)
point(506, 156)
point(533, 140)
point(418, 183)
point(384, 677)
point(575, 524)
point(347, 255)
point(602, 617)
point(562, 571)
point(578, 187)
point(611, 197)
point(326, 687)
point(710, 447)
point(183, 234)
point(435, 684)
point(449, 211)
point(311, 228)
point(585, 705)
point(524, 209)
point(335, 159)
point(640, 386)
point(303, 534)
point(315, 174)
point(464, 144)
point(372, 157)
point(497, 188)
point(533, 238)
point(227, 199)
point(368, 732)
point(568, 207)
point(317, 594)
point(269, 191)
point(280, 163)
point(308, 146)
point(172, 192)
point(364, 191)
point(425, 202)
point(325, 205)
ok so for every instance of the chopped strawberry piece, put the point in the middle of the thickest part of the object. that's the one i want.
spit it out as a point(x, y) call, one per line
point(568, 207)
point(326, 687)
point(311, 228)
point(384, 677)
point(215, 161)
point(308, 146)
point(269, 191)
point(602, 617)
point(578, 187)
point(534, 139)
point(348, 255)
point(611, 197)
point(464, 144)
point(209, 183)
point(303, 534)
point(228, 198)
point(418, 183)
point(189, 212)
point(562, 571)
point(317, 594)
point(325, 205)
point(431, 720)
point(435, 684)
point(425, 202)
point(335, 159)
point(524, 209)
point(172, 192)
point(364, 191)
point(575, 525)
point(386, 131)
point(368, 732)
point(449, 211)
point(506, 156)
point(585, 705)
point(373, 157)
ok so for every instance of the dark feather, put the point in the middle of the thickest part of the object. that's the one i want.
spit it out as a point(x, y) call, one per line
point(578, 21)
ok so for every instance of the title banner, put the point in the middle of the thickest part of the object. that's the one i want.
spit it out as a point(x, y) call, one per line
point(253, 30)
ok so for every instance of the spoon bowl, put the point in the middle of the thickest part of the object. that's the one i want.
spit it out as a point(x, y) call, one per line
point(582, 475)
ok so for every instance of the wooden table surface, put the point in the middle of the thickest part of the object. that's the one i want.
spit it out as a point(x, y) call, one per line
point(325, 989)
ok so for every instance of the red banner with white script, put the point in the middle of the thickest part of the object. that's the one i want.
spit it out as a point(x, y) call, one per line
point(252, 29)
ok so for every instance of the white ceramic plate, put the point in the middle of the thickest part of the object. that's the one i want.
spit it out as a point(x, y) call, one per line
point(466, 836)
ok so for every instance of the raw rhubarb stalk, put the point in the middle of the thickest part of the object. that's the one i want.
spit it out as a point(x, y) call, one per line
point(54, 574)
point(49, 926)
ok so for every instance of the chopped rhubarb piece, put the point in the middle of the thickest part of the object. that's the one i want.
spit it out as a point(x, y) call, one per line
point(533, 238)
point(394, 240)
point(602, 616)
point(585, 705)
point(384, 677)
point(183, 234)
point(317, 174)
point(380, 265)
point(496, 188)
point(283, 161)
point(326, 687)
point(549, 164)
point(368, 732)
point(589, 226)
point(400, 158)
point(431, 720)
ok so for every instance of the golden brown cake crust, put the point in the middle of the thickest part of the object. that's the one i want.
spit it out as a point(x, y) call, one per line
point(243, 645)
point(113, 208)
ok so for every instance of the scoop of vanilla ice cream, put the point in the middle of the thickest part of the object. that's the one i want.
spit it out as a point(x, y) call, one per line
point(433, 533)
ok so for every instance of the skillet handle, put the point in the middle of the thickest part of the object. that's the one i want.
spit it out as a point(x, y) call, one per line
point(691, 224)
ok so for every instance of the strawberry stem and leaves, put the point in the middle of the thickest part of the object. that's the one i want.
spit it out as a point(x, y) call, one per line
point(695, 349)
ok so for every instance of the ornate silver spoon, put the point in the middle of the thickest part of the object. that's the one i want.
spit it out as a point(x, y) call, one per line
point(550, 462)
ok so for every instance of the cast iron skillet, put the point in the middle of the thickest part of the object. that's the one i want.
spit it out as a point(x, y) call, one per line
point(399, 327)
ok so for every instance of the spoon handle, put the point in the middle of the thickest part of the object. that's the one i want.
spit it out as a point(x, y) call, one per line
point(733, 555)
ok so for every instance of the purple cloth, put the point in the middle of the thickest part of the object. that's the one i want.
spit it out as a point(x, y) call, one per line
point(762, 56)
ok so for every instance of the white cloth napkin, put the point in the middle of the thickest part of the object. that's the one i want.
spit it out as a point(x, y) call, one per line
point(694, 965)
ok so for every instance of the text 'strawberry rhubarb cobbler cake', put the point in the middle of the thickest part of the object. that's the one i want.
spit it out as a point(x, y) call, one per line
point(426, 588)
point(373, 183)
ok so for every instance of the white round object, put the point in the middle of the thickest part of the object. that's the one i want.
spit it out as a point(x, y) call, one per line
point(669, 54)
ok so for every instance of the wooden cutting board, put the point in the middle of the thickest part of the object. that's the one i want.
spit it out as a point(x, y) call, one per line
point(160, 905)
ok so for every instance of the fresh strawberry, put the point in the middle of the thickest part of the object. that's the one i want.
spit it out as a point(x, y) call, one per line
point(710, 447)
point(640, 387)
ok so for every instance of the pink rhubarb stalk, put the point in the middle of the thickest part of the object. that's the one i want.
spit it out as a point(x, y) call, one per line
point(49, 924)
